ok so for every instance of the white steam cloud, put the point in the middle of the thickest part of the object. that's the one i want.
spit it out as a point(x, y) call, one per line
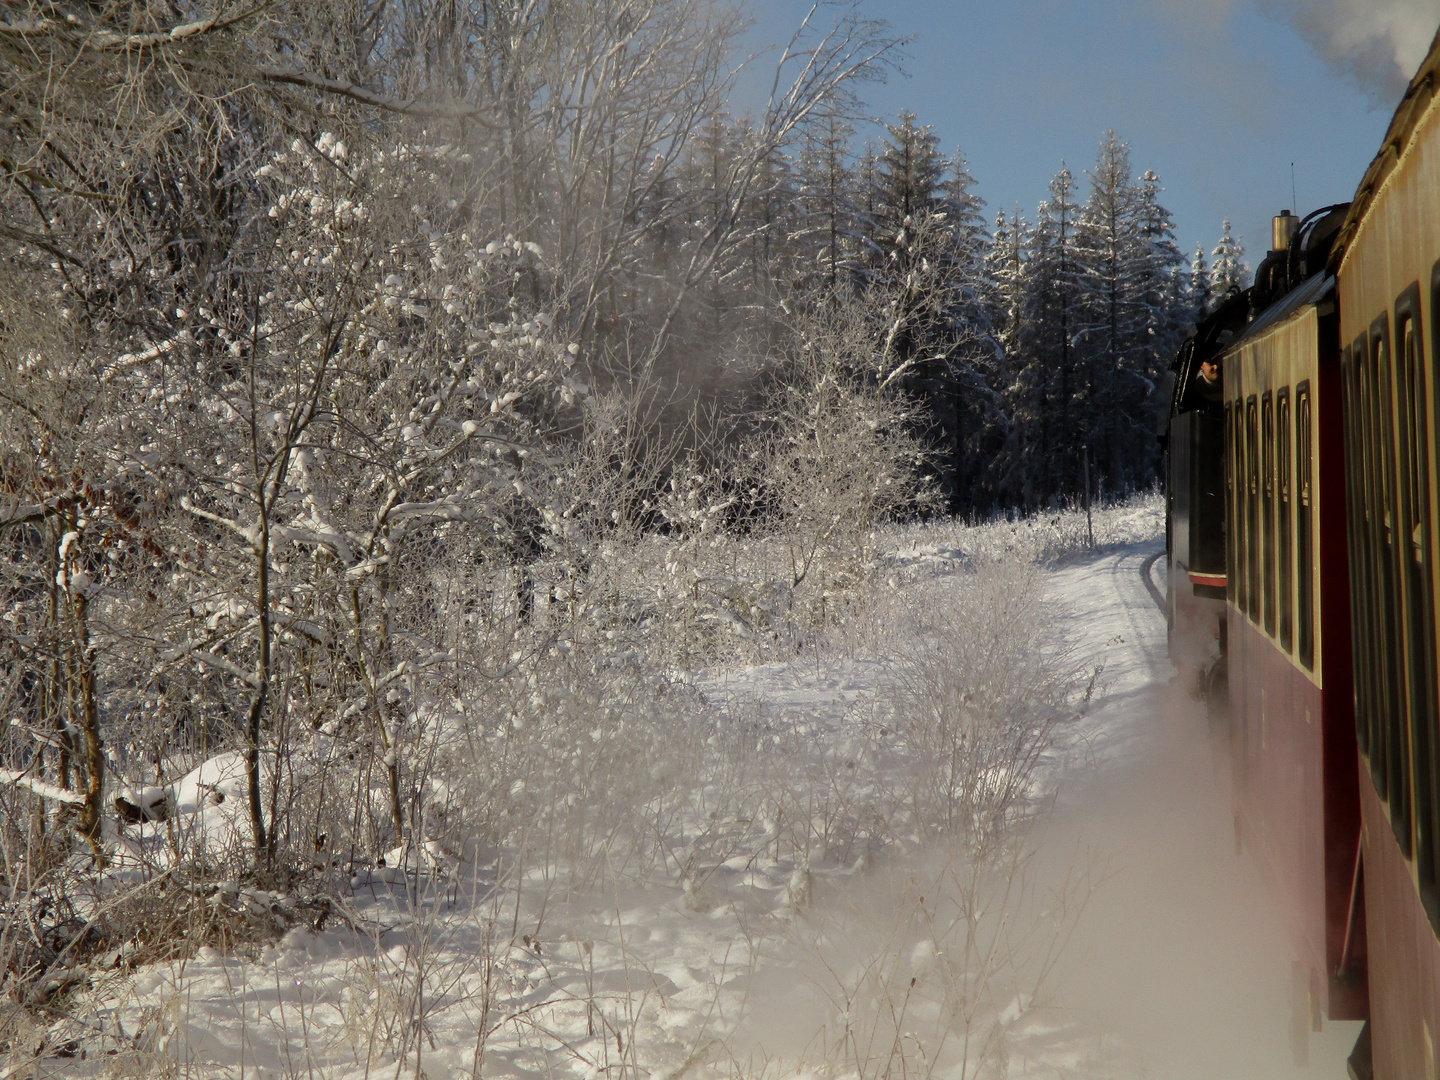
point(1377, 43)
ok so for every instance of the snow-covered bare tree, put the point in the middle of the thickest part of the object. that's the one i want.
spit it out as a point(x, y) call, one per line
point(318, 270)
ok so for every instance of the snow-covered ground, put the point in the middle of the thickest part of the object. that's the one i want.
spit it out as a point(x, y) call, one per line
point(1115, 934)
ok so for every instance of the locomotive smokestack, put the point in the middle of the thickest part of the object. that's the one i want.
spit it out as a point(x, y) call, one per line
point(1283, 229)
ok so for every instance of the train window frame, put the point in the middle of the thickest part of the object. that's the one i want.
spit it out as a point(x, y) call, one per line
point(1305, 523)
point(1416, 515)
point(1230, 584)
point(1384, 452)
point(1242, 538)
point(1284, 521)
point(1370, 587)
point(1267, 510)
point(1252, 508)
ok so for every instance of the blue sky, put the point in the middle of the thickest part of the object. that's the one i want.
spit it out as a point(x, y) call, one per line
point(1217, 96)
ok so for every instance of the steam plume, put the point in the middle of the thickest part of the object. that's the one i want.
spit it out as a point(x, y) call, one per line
point(1377, 43)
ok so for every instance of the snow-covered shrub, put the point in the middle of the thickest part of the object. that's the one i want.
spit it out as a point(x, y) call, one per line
point(574, 770)
point(977, 696)
point(945, 970)
point(1041, 537)
point(837, 457)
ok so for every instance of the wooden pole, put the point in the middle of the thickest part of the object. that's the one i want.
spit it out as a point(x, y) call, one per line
point(1085, 466)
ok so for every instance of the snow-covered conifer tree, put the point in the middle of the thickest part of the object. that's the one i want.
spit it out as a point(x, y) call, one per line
point(1005, 271)
point(830, 218)
point(1111, 340)
point(910, 175)
point(915, 262)
point(1229, 270)
point(975, 354)
point(1199, 283)
point(1040, 456)
point(1168, 310)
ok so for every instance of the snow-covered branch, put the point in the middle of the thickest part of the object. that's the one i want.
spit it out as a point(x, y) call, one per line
point(109, 41)
point(20, 779)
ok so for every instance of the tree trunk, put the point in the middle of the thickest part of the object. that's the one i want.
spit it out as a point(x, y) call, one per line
point(93, 753)
point(256, 714)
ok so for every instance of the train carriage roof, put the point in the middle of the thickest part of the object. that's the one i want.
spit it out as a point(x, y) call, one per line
point(1313, 290)
point(1418, 95)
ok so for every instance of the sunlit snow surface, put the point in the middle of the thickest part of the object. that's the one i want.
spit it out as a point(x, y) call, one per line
point(749, 964)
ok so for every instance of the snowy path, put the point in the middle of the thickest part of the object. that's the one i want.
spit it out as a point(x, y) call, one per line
point(1180, 964)
point(1106, 615)
point(1176, 968)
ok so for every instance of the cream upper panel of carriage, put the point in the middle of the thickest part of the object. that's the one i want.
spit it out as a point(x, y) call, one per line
point(1285, 355)
point(1398, 241)
point(1285, 358)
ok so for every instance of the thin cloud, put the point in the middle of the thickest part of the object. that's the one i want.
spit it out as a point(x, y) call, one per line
point(1378, 44)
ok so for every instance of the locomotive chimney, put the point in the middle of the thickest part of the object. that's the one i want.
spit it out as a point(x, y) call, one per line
point(1283, 229)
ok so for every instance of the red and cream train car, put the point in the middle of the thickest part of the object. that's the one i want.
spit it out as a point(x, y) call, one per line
point(1288, 633)
point(1388, 270)
point(1331, 398)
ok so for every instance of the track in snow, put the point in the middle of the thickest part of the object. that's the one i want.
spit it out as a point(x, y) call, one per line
point(1150, 586)
point(1181, 963)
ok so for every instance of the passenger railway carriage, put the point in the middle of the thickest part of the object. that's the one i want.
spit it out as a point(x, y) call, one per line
point(1323, 436)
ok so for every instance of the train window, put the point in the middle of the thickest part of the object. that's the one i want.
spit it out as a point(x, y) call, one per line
point(1365, 451)
point(1304, 522)
point(1237, 511)
point(1284, 543)
point(1230, 504)
point(1417, 583)
point(1267, 506)
point(1386, 517)
point(1252, 507)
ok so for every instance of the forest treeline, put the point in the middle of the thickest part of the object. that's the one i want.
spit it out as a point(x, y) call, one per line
point(318, 319)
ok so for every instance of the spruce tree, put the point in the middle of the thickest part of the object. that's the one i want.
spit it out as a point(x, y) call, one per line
point(910, 174)
point(975, 354)
point(1168, 312)
point(1199, 284)
point(1022, 468)
point(1229, 270)
point(831, 219)
point(1005, 273)
point(1047, 443)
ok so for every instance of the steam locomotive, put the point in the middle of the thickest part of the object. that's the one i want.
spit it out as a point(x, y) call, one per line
point(1301, 550)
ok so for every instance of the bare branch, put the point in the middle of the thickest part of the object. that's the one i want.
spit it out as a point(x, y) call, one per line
point(356, 92)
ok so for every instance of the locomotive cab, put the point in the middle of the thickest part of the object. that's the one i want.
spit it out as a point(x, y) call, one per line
point(1195, 486)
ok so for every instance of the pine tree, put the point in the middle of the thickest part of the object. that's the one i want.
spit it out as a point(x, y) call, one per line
point(1040, 463)
point(909, 176)
point(1168, 311)
point(930, 257)
point(1110, 340)
point(975, 354)
point(1229, 270)
point(831, 220)
point(867, 182)
point(1005, 272)
point(1199, 284)
point(1021, 467)
point(964, 211)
